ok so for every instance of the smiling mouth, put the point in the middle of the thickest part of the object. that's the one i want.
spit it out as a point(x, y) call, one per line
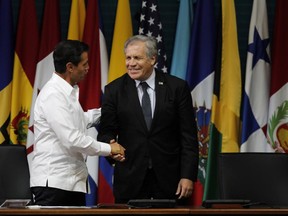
point(133, 70)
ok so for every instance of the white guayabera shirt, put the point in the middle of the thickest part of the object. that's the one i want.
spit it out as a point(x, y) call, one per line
point(61, 141)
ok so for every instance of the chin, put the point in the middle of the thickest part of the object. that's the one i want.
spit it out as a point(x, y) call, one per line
point(134, 76)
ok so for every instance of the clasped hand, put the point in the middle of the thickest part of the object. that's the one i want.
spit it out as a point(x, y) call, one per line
point(117, 151)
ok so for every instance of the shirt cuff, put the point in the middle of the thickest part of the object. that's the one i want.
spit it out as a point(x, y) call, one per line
point(105, 148)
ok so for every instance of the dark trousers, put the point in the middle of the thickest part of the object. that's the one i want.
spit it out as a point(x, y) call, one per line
point(151, 189)
point(47, 196)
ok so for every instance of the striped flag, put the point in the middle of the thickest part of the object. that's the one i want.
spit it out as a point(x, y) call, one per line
point(50, 36)
point(257, 83)
point(90, 87)
point(122, 31)
point(25, 60)
point(151, 25)
point(278, 105)
point(103, 54)
point(225, 115)
point(90, 94)
point(182, 39)
point(6, 65)
point(200, 76)
point(90, 97)
point(83, 25)
point(106, 170)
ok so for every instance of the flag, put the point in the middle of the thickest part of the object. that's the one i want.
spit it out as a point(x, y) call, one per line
point(278, 105)
point(90, 93)
point(50, 36)
point(6, 65)
point(182, 39)
point(106, 170)
point(200, 77)
point(90, 89)
point(76, 20)
point(80, 24)
point(103, 54)
point(225, 114)
point(150, 25)
point(25, 60)
point(87, 29)
point(90, 97)
point(257, 82)
point(122, 31)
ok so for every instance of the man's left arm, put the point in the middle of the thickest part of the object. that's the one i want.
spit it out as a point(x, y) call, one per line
point(189, 143)
point(188, 130)
point(93, 117)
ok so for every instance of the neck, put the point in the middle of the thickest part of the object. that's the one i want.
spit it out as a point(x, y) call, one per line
point(66, 78)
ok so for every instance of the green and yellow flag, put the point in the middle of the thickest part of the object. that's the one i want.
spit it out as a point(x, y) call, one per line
point(225, 119)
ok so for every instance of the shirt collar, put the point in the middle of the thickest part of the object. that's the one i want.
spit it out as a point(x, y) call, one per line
point(150, 81)
point(66, 87)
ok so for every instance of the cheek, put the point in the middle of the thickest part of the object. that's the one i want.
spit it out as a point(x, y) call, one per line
point(83, 70)
point(128, 63)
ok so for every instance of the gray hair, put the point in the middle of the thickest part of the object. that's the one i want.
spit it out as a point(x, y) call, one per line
point(150, 42)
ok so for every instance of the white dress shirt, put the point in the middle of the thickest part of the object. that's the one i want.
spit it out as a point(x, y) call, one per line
point(61, 142)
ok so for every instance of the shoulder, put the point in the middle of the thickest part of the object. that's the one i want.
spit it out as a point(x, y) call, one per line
point(119, 82)
point(51, 91)
point(48, 89)
point(169, 79)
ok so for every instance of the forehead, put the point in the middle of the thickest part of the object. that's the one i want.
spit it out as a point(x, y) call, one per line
point(84, 57)
point(136, 46)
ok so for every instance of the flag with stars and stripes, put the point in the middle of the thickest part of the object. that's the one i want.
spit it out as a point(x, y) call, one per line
point(150, 25)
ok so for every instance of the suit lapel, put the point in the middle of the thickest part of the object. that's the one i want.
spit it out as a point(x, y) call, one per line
point(161, 91)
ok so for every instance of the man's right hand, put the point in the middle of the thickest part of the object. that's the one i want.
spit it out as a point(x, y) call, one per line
point(116, 148)
point(117, 151)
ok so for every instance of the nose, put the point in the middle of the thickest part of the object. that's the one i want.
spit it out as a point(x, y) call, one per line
point(132, 61)
point(87, 68)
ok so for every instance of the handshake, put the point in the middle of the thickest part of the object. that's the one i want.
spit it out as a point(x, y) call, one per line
point(117, 151)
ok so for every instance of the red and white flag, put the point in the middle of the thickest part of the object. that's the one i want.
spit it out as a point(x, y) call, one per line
point(277, 130)
point(50, 36)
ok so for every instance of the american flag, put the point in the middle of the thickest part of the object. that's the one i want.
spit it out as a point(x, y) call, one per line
point(150, 25)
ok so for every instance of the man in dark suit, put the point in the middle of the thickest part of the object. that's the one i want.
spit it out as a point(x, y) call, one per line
point(162, 154)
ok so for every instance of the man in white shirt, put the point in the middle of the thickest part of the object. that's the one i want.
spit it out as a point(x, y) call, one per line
point(58, 171)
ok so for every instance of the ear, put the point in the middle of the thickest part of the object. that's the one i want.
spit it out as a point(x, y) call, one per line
point(153, 60)
point(69, 67)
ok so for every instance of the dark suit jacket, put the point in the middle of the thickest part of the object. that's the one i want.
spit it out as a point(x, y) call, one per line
point(171, 142)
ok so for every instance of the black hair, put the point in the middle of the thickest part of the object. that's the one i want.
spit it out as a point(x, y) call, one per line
point(68, 51)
